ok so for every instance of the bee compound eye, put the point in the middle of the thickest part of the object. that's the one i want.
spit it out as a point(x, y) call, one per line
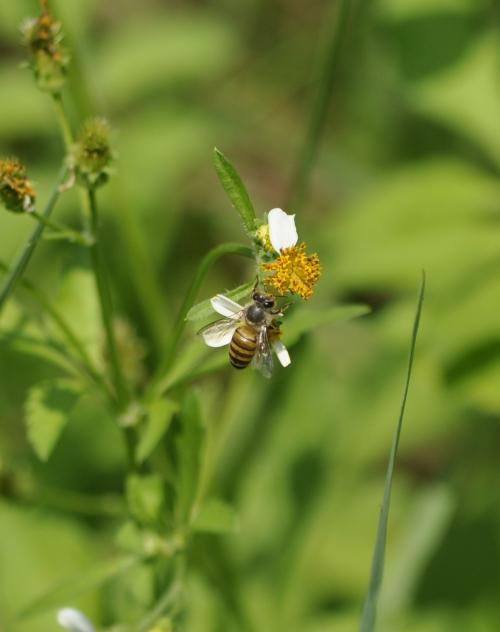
point(255, 296)
point(269, 303)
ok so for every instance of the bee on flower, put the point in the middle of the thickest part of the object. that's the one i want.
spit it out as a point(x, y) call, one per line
point(292, 270)
point(251, 331)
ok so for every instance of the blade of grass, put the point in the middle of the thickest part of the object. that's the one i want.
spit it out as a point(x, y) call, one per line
point(369, 616)
point(19, 266)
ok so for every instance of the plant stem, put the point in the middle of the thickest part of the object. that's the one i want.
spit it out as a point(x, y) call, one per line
point(327, 69)
point(189, 299)
point(60, 230)
point(23, 258)
point(88, 204)
point(63, 121)
point(104, 293)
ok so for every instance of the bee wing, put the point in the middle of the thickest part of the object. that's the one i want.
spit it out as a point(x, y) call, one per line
point(220, 332)
point(225, 306)
point(263, 358)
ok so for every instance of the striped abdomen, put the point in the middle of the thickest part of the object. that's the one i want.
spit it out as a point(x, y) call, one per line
point(242, 347)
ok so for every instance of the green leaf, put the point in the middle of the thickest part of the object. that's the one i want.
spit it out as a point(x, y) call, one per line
point(189, 455)
point(215, 516)
point(236, 190)
point(159, 415)
point(305, 320)
point(47, 412)
point(377, 571)
point(145, 497)
point(80, 583)
point(204, 309)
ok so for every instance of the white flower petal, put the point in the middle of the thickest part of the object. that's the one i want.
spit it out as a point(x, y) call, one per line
point(74, 620)
point(282, 353)
point(225, 306)
point(282, 231)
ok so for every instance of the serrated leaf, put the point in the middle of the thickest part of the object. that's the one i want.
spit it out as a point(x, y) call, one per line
point(189, 456)
point(204, 309)
point(215, 516)
point(145, 497)
point(236, 191)
point(81, 582)
point(307, 320)
point(159, 416)
point(47, 412)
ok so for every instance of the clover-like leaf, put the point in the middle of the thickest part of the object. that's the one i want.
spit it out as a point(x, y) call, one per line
point(47, 411)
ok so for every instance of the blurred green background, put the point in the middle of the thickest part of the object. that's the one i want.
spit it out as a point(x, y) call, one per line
point(406, 178)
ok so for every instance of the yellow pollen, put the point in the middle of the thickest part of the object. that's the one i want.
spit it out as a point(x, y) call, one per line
point(294, 271)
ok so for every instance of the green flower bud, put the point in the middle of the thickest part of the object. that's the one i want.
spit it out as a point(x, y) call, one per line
point(92, 156)
point(16, 191)
point(48, 58)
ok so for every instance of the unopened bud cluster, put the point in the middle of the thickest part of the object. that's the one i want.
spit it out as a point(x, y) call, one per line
point(92, 155)
point(16, 191)
point(49, 59)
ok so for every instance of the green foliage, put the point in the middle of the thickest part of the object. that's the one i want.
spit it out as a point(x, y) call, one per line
point(236, 191)
point(81, 581)
point(159, 416)
point(145, 497)
point(189, 444)
point(401, 173)
point(215, 516)
point(47, 412)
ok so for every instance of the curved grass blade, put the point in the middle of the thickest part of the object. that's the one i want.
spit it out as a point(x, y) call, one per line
point(370, 606)
point(235, 189)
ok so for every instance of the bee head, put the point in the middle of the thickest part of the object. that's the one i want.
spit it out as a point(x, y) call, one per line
point(265, 301)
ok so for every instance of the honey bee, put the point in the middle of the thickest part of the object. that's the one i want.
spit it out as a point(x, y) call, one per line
point(250, 331)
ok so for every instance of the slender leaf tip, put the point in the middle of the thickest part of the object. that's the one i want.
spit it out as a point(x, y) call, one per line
point(368, 619)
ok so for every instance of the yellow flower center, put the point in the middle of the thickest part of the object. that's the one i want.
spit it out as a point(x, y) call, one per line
point(294, 271)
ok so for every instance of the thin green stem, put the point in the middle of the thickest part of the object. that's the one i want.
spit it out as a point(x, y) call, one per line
point(189, 299)
point(63, 121)
point(88, 204)
point(61, 231)
point(104, 293)
point(326, 77)
point(19, 266)
point(166, 602)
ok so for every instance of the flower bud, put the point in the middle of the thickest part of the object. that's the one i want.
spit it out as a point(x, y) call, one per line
point(16, 191)
point(93, 155)
point(48, 58)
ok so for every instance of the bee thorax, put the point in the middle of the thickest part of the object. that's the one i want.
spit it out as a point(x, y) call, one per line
point(255, 315)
